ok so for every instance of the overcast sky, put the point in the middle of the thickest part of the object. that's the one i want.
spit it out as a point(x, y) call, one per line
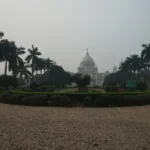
point(63, 29)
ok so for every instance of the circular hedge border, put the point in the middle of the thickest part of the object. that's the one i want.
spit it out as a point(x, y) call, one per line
point(95, 99)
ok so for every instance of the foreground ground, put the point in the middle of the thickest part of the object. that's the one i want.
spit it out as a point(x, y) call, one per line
point(45, 128)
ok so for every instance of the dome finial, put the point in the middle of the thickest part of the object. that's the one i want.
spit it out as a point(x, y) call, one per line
point(87, 52)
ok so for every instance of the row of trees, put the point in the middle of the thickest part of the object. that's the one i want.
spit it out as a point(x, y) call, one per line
point(137, 64)
point(134, 67)
point(53, 74)
point(11, 55)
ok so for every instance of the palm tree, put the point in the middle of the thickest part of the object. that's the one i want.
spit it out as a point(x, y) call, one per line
point(145, 55)
point(8, 53)
point(48, 64)
point(22, 71)
point(19, 51)
point(33, 56)
point(39, 64)
point(131, 64)
point(135, 63)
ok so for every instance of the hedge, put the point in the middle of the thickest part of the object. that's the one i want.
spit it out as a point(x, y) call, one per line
point(76, 99)
point(77, 93)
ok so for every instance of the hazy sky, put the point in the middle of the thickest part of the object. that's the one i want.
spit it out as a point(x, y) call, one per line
point(63, 29)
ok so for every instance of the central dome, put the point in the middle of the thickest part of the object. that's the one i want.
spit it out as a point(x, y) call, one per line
point(87, 60)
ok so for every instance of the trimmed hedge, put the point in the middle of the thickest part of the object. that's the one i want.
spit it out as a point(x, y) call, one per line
point(76, 99)
point(35, 100)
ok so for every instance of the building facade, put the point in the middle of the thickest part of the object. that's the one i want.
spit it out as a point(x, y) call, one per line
point(88, 67)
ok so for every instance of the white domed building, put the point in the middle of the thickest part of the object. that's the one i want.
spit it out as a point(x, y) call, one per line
point(88, 67)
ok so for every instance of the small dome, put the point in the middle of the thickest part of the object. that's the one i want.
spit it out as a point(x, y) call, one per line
point(87, 60)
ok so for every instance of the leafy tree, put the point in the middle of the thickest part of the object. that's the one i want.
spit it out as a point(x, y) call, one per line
point(81, 80)
point(33, 56)
point(56, 76)
point(120, 78)
point(8, 53)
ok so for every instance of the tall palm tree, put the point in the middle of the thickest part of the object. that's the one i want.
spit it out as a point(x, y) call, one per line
point(145, 55)
point(8, 53)
point(135, 63)
point(33, 55)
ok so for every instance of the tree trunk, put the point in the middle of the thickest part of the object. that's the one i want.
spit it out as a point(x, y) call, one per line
point(41, 71)
point(32, 68)
point(6, 68)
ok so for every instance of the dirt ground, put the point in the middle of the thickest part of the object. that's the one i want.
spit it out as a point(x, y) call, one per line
point(49, 128)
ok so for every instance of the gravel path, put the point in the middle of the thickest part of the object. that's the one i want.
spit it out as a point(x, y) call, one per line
point(46, 128)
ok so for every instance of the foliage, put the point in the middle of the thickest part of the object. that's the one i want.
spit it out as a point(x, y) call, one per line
point(35, 100)
point(33, 56)
point(2, 89)
point(33, 85)
point(145, 55)
point(6, 81)
point(81, 80)
point(131, 64)
point(142, 86)
point(56, 76)
point(22, 71)
point(59, 99)
point(111, 89)
point(8, 54)
point(120, 78)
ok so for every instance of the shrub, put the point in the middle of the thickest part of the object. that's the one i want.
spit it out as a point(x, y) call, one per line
point(10, 87)
point(54, 100)
point(5, 81)
point(111, 89)
point(87, 101)
point(50, 89)
point(99, 101)
point(64, 100)
point(35, 100)
point(33, 85)
point(58, 100)
point(2, 89)
point(3, 97)
point(142, 86)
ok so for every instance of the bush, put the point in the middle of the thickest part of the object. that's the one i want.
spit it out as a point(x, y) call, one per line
point(111, 89)
point(87, 101)
point(3, 97)
point(35, 100)
point(142, 86)
point(10, 87)
point(65, 100)
point(5, 81)
point(54, 100)
point(99, 101)
point(2, 89)
point(57, 100)
point(33, 85)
